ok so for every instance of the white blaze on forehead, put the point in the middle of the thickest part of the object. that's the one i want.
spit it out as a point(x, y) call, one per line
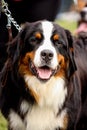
point(47, 29)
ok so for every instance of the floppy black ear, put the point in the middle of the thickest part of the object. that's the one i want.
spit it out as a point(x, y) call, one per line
point(13, 49)
point(72, 64)
point(16, 45)
point(13, 53)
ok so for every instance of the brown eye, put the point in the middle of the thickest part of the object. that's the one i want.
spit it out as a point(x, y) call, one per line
point(38, 35)
point(56, 37)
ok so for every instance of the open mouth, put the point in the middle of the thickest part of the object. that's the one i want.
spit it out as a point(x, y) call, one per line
point(82, 28)
point(43, 72)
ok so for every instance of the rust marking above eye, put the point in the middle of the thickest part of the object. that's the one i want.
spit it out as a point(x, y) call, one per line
point(55, 37)
point(38, 35)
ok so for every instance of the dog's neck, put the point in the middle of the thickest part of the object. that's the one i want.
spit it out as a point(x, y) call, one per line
point(49, 94)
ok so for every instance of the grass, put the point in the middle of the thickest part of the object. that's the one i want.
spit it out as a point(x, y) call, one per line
point(70, 25)
point(3, 123)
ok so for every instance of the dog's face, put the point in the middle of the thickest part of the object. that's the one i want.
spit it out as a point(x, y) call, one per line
point(42, 56)
point(45, 51)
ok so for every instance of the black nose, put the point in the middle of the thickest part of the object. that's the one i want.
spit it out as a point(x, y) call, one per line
point(46, 55)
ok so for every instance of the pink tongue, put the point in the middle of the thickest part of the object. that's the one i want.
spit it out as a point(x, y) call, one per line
point(82, 28)
point(44, 73)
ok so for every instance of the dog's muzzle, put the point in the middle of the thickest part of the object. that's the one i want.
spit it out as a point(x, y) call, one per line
point(44, 71)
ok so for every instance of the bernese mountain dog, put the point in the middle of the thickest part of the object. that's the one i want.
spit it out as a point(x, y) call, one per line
point(39, 84)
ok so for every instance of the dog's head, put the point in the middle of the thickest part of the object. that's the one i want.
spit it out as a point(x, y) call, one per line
point(43, 49)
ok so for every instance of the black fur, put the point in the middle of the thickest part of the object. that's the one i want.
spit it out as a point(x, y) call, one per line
point(12, 85)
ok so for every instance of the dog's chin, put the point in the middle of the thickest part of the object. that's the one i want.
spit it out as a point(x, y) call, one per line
point(43, 73)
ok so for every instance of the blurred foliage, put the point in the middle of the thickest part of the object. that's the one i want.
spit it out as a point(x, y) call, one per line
point(3, 123)
point(70, 25)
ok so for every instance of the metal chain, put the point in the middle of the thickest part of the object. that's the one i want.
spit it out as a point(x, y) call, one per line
point(9, 16)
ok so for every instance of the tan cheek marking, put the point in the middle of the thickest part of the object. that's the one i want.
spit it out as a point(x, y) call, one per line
point(24, 64)
point(62, 61)
point(55, 37)
point(63, 66)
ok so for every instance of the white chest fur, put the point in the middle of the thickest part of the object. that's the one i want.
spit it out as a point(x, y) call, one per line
point(44, 119)
point(51, 93)
point(43, 115)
